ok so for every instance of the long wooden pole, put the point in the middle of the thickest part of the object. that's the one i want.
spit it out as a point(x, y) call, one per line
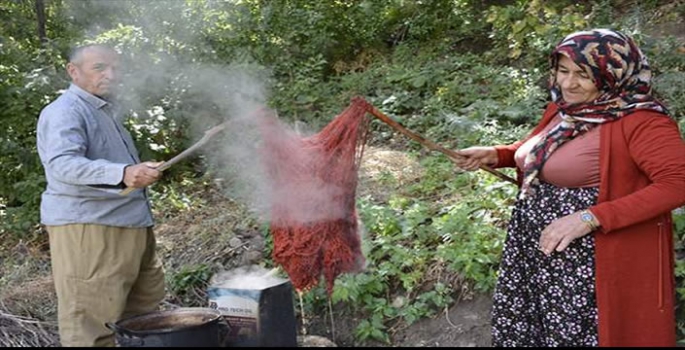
point(166, 165)
point(453, 156)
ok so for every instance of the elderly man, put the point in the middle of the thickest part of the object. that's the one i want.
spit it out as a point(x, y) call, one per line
point(102, 244)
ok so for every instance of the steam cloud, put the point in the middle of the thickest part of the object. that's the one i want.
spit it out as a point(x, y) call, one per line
point(250, 277)
point(208, 94)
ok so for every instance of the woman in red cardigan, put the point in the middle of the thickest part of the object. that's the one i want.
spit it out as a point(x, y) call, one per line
point(589, 257)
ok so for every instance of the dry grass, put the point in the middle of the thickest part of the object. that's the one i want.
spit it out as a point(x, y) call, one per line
point(33, 298)
point(383, 170)
point(17, 331)
point(220, 233)
point(28, 313)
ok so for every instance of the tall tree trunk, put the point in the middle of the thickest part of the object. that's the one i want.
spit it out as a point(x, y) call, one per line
point(40, 15)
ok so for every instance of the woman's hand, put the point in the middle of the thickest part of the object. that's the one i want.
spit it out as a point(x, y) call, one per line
point(473, 157)
point(561, 232)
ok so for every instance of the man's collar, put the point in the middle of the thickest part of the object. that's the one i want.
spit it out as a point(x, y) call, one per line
point(87, 96)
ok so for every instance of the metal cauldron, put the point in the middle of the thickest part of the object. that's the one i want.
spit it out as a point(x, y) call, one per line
point(191, 327)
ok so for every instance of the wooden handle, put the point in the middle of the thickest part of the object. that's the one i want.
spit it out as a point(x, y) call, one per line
point(166, 165)
point(453, 156)
point(127, 190)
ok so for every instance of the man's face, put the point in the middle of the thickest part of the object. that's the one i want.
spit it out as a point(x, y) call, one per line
point(96, 71)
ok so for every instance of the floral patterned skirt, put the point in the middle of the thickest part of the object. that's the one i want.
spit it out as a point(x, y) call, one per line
point(546, 300)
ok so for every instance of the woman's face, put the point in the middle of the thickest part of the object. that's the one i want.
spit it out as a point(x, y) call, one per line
point(575, 84)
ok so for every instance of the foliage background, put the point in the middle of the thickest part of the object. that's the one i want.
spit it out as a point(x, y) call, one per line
point(460, 72)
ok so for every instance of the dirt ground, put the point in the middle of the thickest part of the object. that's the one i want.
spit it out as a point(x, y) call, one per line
point(465, 324)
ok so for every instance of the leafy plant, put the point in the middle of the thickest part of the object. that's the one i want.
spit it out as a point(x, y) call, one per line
point(187, 286)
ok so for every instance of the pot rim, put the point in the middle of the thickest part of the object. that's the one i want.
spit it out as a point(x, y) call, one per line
point(121, 328)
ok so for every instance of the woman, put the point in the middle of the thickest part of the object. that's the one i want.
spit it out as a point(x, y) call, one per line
point(588, 258)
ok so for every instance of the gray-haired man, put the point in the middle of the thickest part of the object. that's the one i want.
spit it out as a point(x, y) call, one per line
point(101, 243)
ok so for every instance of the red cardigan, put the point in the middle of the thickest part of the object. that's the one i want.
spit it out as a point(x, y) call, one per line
point(642, 179)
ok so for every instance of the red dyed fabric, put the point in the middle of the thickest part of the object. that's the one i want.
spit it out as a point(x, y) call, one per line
point(313, 182)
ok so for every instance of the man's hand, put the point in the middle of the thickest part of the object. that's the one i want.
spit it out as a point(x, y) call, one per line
point(561, 232)
point(474, 157)
point(142, 174)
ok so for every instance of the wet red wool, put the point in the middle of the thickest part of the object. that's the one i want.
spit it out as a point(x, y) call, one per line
point(313, 182)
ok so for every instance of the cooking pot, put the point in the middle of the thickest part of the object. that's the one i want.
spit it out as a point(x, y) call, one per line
point(193, 327)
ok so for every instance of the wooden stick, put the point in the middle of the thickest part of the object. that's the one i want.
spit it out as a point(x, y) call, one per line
point(166, 165)
point(429, 144)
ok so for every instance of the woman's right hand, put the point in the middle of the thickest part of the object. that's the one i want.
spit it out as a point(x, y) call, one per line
point(473, 157)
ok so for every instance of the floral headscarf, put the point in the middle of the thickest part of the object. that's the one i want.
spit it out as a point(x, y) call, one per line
point(621, 74)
